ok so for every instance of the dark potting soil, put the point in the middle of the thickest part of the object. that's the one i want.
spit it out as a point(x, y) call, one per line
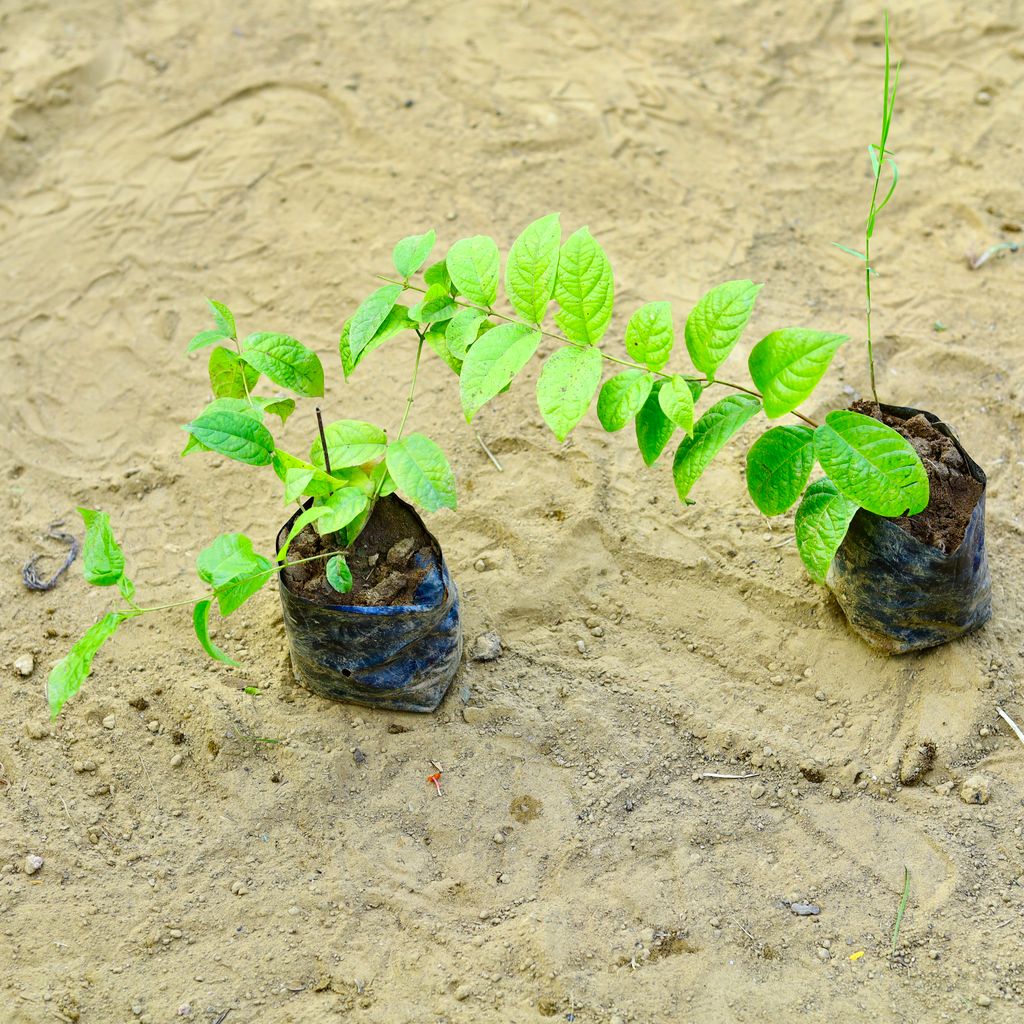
point(953, 491)
point(382, 561)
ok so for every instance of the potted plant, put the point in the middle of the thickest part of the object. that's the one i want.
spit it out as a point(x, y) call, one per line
point(370, 609)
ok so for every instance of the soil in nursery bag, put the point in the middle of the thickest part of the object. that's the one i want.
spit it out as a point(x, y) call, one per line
point(954, 491)
point(383, 561)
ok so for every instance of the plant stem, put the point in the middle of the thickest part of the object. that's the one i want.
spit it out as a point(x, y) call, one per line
point(245, 383)
point(604, 355)
point(323, 441)
point(412, 388)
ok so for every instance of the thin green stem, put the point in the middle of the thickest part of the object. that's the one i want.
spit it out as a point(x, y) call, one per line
point(245, 383)
point(576, 344)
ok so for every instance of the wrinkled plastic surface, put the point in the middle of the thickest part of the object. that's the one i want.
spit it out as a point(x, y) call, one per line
point(901, 594)
point(400, 657)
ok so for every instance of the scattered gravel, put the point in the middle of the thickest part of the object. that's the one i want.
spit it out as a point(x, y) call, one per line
point(25, 665)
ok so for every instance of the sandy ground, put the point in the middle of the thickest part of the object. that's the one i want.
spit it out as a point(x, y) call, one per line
point(577, 867)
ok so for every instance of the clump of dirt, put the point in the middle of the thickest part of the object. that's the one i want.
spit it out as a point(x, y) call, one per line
point(953, 491)
point(383, 560)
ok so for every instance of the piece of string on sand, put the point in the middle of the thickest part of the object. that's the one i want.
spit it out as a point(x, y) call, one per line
point(30, 575)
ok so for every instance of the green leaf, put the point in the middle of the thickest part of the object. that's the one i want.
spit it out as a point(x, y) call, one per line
point(386, 481)
point(204, 338)
point(622, 397)
point(126, 588)
point(395, 322)
point(233, 569)
point(474, 266)
point(462, 331)
point(437, 273)
point(67, 676)
point(650, 334)
point(193, 445)
point(779, 465)
point(787, 365)
point(439, 343)
point(282, 407)
point(102, 557)
point(302, 520)
point(492, 362)
point(238, 435)
point(821, 523)
point(654, 429)
point(319, 483)
point(713, 430)
point(230, 375)
point(339, 575)
point(532, 266)
point(584, 289)
point(566, 386)
point(849, 251)
point(437, 305)
point(201, 623)
point(370, 315)
point(676, 399)
point(286, 362)
point(342, 506)
point(349, 443)
point(871, 464)
point(410, 253)
point(223, 318)
point(421, 472)
point(296, 481)
point(716, 323)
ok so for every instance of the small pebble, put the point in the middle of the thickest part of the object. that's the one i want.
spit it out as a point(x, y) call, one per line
point(499, 838)
point(153, 726)
point(836, 793)
point(597, 631)
point(109, 722)
point(805, 909)
point(399, 553)
point(35, 731)
point(984, 1001)
point(823, 955)
point(176, 760)
point(463, 992)
point(757, 791)
point(33, 862)
point(581, 647)
point(480, 565)
point(975, 790)
point(24, 665)
point(487, 647)
point(983, 98)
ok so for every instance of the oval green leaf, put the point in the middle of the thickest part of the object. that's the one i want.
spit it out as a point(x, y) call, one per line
point(102, 557)
point(712, 431)
point(339, 575)
point(779, 465)
point(584, 289)
point(204, 338)
point(372, 312)
point(531, 268)
point(650, 334)
point(67, 676)
point(233, 569)
point(566, 386)
point(676, 400)
point(871, 464)
point(201, 624)
point(395, 322)
point(411, 252)
point(493, 362)
point(349, 443)
point(462, 331)
point(437, 305)
point(716, 323)
point(821, 523)
point(343, 506)
point(787, 365)
point(237, 435)
point(230, 375)
point(622, 397)
point(654, 429)
point(474, 266)
point(223, 318)
point(421, 472)
point(286, 362)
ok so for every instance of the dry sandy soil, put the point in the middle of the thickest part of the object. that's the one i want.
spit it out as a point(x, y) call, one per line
point(577, 867)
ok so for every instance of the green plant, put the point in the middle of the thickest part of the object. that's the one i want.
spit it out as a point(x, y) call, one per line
point(351, 465)
point(868, 464)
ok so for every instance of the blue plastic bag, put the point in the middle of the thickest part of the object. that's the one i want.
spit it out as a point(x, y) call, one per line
point(901, 594)
point(399, 657)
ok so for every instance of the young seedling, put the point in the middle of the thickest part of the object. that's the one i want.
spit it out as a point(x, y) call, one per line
point(351, 465)
point(868, 464)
